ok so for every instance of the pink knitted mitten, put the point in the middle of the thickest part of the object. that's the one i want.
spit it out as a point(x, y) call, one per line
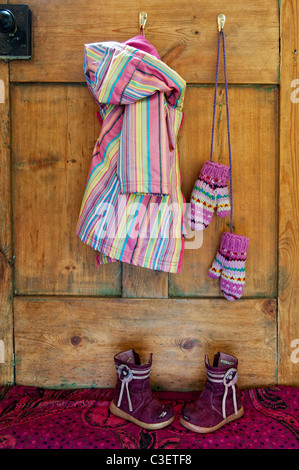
point(229, 265)
point(209, 193)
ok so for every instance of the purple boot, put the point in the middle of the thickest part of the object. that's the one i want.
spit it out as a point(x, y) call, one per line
point(219, 403)
point(133, 399)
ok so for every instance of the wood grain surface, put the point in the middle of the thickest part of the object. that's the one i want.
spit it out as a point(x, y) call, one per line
point(253, 126)
point(184, 33)
point(51, 160)
point(6, 241)
point(67, 319)
point(67, 342)
point(288, 302)
point(54, 133)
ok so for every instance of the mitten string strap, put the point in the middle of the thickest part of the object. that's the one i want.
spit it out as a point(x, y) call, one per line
point(215, 96)
point(227, 118)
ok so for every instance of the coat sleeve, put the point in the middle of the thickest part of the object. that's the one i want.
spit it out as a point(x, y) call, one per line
point(119, 74)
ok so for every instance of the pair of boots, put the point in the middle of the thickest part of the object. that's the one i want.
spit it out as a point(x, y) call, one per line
point(218, 404)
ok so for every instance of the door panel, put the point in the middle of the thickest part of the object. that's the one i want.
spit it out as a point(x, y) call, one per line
point(253, 128)
point(62, 317)
point(52, 151)
point(73, 341)
point(183, 33)
point(51, 156)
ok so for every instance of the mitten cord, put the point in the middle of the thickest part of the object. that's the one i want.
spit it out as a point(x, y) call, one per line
point(227, 118)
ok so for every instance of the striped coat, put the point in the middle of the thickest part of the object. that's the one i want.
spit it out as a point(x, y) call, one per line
point(132, 208)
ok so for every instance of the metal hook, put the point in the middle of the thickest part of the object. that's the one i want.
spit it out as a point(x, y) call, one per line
point(221, 21)
point(142, 21)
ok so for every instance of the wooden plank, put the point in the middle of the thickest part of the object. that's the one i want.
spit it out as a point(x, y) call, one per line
point(54, 132)
point(143, 283)
point(253, 124)
point(6, 246)
point(184, 33)
point(288, 302)
point(71, 342)
point(51, 160)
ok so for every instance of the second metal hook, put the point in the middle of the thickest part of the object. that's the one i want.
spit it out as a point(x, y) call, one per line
point(142, 21)
point(221, 21)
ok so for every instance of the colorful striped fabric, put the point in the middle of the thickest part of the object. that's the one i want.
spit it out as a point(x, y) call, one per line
point(144, 149)
point(132, 208)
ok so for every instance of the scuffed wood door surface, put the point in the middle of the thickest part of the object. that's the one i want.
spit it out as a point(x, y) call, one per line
point(65, 317)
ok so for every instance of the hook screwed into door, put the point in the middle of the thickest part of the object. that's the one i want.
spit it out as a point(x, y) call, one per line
point(221, 21)
point(142, 21)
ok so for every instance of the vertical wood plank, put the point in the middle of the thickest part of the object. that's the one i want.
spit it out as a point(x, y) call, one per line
point(143, 283)
point(6, 246)
point(54, 132)
point(288, 300)
point(253, 125)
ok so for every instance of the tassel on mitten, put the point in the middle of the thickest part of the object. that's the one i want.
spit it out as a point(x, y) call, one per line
point(209, 193)
point(229, 265)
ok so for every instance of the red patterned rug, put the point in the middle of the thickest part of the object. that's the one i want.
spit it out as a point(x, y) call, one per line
point(35, 418)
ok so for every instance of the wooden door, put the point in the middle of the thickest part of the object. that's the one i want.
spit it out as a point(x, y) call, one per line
point(62, 318)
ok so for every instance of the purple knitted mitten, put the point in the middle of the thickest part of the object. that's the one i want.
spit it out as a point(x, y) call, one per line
point(209, 193)
point(229, 265)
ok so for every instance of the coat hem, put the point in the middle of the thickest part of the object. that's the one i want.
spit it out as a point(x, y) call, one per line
point(126, 257)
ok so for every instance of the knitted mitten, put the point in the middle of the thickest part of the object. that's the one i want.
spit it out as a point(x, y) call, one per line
point(229, 265)
point(209, 193)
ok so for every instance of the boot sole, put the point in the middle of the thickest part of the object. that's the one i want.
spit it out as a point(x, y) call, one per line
point(201, 430)
point(122, 414)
